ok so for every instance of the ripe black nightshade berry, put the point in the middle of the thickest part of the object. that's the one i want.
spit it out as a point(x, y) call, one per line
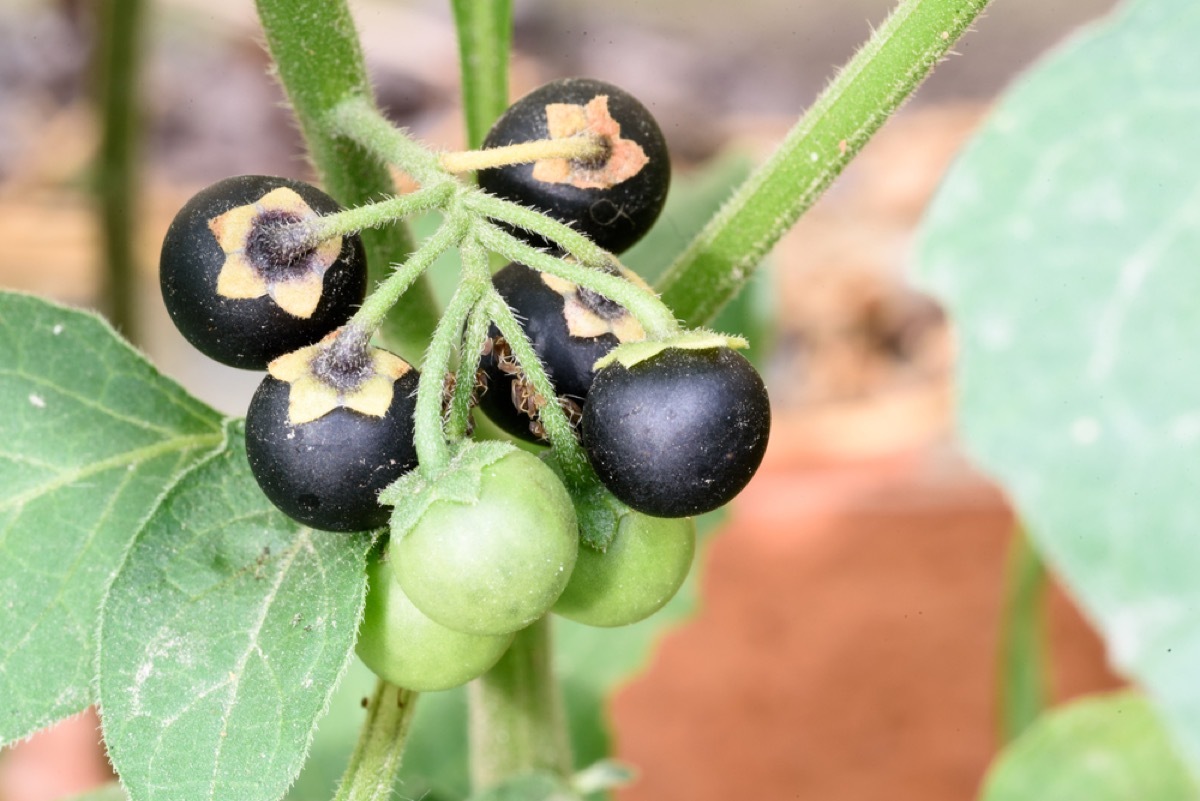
point(679, 433)
point(236, 292)
point(569, 328)
point(612, 200)
point(324, 439)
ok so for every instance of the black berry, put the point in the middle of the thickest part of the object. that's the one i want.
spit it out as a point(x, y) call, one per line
point(613, 200)
point(569, 328)
point(234, 286)
point(680, 433)
point(326, 472)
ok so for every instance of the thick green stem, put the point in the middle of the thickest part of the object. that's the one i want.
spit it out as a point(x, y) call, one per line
point(1023, 657)
point(118, 60)
point(643, 305)
point(359, 121)
point(375, 763)
point(320, 64)
point(891, 65)
point(517, 720)
point(484, 36)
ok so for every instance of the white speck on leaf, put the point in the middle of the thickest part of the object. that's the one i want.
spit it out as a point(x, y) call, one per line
point(1135, 629)
point(995, 333)
point(37, 401)
point(1085, 430)
point(57, 329)
point(1185, 428)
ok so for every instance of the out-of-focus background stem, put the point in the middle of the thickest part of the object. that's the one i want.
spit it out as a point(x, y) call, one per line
point(118, 57)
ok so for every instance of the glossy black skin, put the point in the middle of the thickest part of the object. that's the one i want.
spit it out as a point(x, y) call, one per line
point(613, 218)
point(568, 360)
point(327, 473)
point(680, 433)
point(248, 333)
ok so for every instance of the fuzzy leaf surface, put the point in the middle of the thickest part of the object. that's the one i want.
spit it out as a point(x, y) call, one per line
point(91, 435)
point(222, 639)
point(1106, 748)
point(1066, 243)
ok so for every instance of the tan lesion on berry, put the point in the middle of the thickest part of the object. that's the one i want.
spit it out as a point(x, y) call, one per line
point(585, 323)
point(310, 398)
point(299, 292)
point(622, 159)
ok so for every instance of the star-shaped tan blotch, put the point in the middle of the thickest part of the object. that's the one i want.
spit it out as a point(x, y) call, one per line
point(299, 291)
point(624, 159)
point(311, 398)
point(583, 322)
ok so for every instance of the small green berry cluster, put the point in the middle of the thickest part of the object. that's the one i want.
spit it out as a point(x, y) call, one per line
point(647, 424)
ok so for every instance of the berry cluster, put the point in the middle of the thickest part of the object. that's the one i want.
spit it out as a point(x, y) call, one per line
point(648, 424)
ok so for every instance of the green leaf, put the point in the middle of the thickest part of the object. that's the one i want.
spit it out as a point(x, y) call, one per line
point(90, 437)
point(222, 639)
point(106, 792)
point(1106, 748)
point(1065, 243)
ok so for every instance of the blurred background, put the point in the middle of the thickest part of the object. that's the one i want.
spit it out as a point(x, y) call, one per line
point(846, 645)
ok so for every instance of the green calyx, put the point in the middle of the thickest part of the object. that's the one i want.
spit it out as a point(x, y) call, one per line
point(631, 353)
point(460, 481)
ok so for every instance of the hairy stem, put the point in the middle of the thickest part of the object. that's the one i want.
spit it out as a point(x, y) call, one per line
point(375, 309)
point(372, 215)
point(880, 77)
point(118, 60)
point(518, 216)
point(1023, 656)
point(559, 431)
point(642, 304)
point(358, 120)
point(484, 35)
point(516, 713)
point(468, 365)
point(320, 64)
point(577, 148)
point(476, 271)
point(375, 763)
point(433, 453)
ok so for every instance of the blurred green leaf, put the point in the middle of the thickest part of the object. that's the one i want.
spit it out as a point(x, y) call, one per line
point(1108, 748)
point(107, 792)
point(222, 638)
point(91, 435)
point(1066, 242)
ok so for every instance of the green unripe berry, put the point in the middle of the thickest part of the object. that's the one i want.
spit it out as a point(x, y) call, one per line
point(495, 565)
point(644, 566)
point(406, 648)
